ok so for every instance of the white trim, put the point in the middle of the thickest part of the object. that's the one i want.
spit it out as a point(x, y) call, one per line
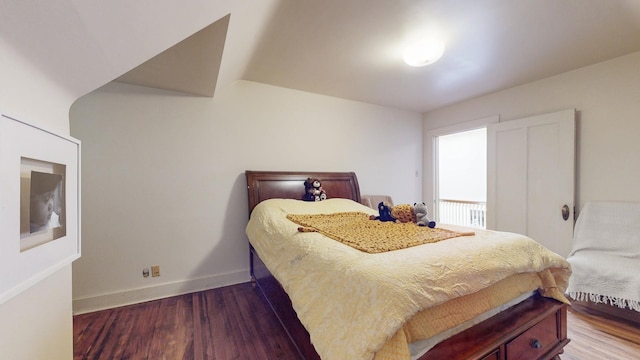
point(154, 292)
point(464, 126)
point(22, 266)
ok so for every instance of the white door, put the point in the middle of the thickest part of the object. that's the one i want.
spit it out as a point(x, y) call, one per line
point(530, 184)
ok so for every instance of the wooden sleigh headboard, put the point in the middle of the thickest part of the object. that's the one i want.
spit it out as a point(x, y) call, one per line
point(263, 185)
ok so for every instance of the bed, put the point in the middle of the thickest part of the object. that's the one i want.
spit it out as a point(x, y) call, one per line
point(481, 320)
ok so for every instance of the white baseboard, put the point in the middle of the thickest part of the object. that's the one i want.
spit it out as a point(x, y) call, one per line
point(135, 296)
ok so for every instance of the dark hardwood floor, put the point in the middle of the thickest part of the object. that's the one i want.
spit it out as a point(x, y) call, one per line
point(235, 322)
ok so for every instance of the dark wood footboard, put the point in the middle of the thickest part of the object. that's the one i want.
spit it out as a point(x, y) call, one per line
point(534, 329)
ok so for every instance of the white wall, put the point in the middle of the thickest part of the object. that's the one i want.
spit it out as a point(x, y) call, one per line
point(163, 177)
point(606, 98)
point(29, 95)
point(37, 323)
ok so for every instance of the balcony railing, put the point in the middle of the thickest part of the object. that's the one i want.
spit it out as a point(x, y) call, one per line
point(465, 213)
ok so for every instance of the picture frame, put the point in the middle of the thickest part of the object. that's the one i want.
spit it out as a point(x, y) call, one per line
point(39, 204)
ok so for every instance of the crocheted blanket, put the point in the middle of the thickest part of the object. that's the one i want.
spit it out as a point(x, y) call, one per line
point(357, 230)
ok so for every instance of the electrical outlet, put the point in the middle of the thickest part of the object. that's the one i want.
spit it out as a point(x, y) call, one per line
point(155, 270)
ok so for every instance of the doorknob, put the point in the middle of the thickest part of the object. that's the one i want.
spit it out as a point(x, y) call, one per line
point(565, 212)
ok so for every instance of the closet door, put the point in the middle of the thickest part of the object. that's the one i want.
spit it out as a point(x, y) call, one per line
point(531, 177)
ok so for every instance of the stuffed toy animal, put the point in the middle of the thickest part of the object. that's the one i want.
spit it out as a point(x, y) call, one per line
point(404, 213)
point(385, 213)
point(420, 209)
point(314, 190)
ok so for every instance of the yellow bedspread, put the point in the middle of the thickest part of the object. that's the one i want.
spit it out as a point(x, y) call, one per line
point(357, 305)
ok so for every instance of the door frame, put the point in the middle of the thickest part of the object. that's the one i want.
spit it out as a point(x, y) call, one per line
point(430, 162)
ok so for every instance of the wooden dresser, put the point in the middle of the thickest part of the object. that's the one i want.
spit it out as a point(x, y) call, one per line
point(522, 337)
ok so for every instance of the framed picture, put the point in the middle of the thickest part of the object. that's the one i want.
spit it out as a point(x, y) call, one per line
point(39, 204)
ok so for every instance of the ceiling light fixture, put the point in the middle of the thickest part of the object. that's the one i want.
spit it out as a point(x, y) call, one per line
point(423, 53)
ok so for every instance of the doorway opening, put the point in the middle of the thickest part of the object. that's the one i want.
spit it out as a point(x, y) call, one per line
point(461, 178)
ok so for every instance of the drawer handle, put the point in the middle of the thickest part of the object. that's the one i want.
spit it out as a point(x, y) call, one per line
point(536, 344)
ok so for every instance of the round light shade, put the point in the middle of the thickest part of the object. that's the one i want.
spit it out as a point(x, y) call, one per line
point(423, 53)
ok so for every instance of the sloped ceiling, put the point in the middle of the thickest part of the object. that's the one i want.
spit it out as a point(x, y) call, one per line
point(82, 45)
point(191, 66)
point(349, 49)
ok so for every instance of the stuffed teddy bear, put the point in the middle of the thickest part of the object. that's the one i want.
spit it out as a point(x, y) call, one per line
point(313, 190)
point(385, 213)
point(420, 209)
point(404, 213)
